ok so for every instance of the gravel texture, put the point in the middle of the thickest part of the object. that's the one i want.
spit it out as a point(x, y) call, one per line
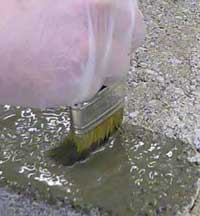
point(164, 81)
point(16, 204)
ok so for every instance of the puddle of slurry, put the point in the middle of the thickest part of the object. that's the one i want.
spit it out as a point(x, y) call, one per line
point(136, 173)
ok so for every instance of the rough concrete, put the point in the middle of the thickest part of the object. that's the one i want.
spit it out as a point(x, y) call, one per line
point(163, 89)
point(164, 82)
point(16, 204)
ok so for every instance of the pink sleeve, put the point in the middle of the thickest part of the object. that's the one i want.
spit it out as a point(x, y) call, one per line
point(61, 53)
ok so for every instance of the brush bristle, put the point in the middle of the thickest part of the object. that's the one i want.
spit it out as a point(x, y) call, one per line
point(76, 147)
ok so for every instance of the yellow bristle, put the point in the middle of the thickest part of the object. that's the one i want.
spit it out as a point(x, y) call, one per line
point(76, 147)
point(99, 133)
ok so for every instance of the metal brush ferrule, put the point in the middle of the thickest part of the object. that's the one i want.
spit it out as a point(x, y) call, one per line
point(86, 116)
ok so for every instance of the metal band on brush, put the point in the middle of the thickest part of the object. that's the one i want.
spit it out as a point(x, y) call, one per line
point(86, 116)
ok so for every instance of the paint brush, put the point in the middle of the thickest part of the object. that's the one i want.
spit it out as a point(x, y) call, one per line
point(92, 123)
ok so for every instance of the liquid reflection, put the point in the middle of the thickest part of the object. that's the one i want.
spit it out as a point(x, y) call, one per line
point(137, 172)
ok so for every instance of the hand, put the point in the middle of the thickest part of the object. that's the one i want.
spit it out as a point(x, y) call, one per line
point(61, 53)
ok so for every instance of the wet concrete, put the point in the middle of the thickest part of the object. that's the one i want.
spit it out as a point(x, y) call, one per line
point(140, 172)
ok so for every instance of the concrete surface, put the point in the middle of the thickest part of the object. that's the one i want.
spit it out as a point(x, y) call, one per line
point(163, 91)
point(164, 82)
